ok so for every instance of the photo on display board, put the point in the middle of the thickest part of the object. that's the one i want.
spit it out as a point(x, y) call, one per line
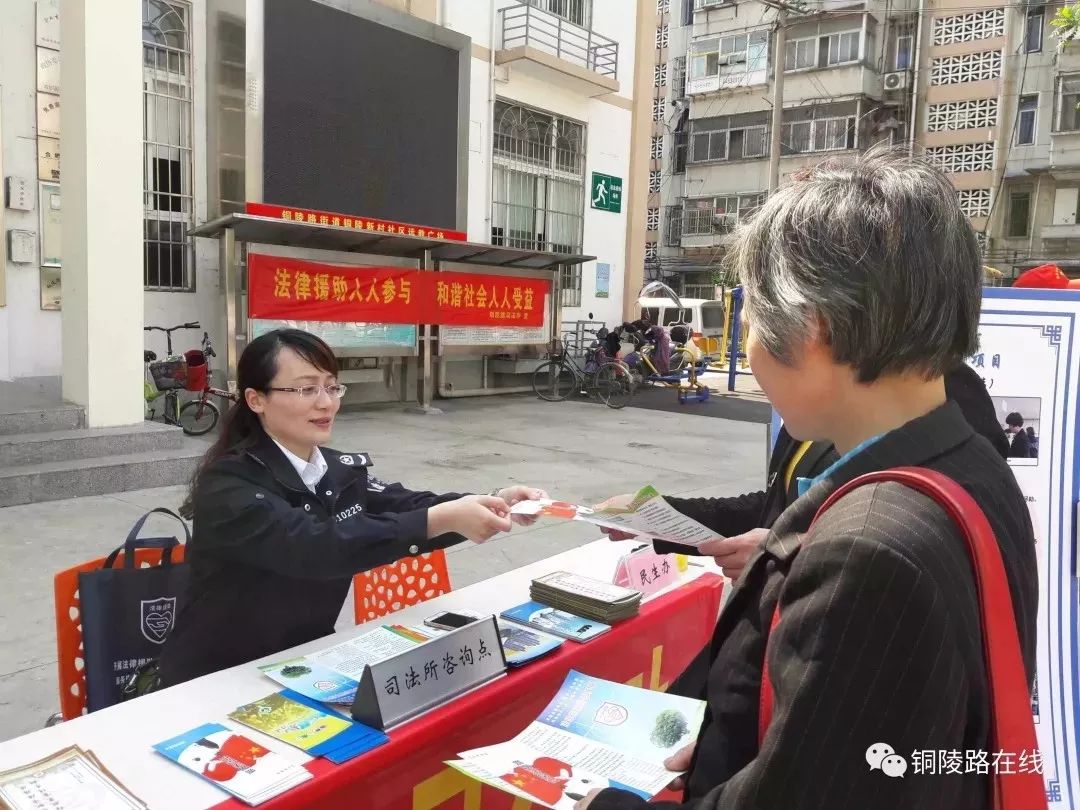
point(1019, 419)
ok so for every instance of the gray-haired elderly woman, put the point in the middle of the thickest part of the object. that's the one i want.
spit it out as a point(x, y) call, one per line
point(863, 286)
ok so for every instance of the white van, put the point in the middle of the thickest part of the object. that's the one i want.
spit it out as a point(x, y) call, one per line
point(705, 318)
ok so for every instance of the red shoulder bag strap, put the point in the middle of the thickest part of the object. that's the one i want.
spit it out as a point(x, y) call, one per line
point(1012, 728)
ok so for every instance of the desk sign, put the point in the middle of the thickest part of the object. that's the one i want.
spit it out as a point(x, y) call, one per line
point(412, 682)
point(646, 571)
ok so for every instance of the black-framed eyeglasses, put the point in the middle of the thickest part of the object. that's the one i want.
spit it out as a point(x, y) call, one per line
point(334, 391)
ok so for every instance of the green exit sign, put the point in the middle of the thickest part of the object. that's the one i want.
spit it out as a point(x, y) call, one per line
point(606, 192)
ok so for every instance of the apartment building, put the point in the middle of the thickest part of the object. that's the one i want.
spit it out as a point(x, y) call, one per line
point(978, 86)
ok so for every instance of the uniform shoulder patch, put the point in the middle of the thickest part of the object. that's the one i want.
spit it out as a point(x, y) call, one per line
point(355, 459)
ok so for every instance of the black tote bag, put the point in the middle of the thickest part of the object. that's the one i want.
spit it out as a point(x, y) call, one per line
point(128, 612)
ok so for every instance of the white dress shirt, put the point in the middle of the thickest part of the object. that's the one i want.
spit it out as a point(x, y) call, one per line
point(312, 471)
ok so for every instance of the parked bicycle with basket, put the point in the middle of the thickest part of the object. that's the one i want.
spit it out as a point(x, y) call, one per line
point(165, 378)
point(200, 416)
point(187, 372)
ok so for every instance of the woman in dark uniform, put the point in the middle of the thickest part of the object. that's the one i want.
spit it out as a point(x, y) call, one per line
point(281, 524)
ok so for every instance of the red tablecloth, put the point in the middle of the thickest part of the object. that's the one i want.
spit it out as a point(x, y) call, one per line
point(408, 772)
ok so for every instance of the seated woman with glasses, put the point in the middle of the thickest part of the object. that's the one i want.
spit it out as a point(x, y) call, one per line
point(282, 523)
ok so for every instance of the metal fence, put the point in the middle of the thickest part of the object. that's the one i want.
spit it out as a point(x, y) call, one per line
point(528, 26)
point(574, 337)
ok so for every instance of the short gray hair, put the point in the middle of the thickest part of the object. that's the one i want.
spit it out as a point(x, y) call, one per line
point(877, 248)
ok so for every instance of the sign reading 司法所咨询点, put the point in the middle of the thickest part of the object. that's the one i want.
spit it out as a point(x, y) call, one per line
point(412, 682)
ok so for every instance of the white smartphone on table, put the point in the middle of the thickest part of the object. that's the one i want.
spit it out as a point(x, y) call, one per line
point(450, 620)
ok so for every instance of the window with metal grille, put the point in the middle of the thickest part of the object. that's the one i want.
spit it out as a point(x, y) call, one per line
point(818, 135)
point(652, 219)
point(952, 115)
point(570, 285)
point(1027, 114)
point(970, 67)
point(662, 37)
point(650, 251)
point(678, 77)
point(731, 54)
point(538, 178)
point(705, 216)
point(659, 75)
point(969, 27)
point(657, 109)
point(728, 144)
point(654, 181)
point(967, 157)
point(168, 210)
point(657, 150)
point(673, 217)
point(975, 202)
point(1068, 102)
point(1033, 30)
point(579, 12)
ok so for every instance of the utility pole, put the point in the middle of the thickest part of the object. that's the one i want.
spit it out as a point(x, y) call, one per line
point(779, 45)
point(782, 7)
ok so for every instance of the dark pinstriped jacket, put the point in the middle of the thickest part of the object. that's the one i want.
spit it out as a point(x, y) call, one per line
point(878, 642)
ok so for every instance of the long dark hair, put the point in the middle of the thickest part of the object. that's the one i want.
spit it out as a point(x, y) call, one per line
point(241, 428)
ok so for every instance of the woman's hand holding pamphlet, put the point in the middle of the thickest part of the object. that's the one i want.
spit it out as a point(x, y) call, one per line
point(593, 734)
point(647, 515)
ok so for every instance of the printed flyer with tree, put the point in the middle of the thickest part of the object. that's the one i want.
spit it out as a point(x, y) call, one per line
point(593, 734)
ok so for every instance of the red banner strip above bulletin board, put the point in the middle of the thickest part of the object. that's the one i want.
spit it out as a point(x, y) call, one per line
point(356, 223)
point(282, 288)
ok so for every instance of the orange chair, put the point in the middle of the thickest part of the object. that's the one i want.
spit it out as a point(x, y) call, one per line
point(70, 667)
point(389, 588)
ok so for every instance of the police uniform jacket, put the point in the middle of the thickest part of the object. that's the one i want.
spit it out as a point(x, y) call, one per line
point(271, 562)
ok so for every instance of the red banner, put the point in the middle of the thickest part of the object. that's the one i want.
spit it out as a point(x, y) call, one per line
point(356, 223)
point(408, 773)
point(281, 288)
point(474, 299)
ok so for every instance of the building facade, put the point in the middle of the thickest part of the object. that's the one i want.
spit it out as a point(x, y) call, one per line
point(550, 106)
point(979, 88)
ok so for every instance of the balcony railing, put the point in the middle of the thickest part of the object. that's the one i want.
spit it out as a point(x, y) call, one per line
point(526, 26)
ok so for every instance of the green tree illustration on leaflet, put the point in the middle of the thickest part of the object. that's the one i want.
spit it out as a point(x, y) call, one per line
point(295, 671)
point(669, 729)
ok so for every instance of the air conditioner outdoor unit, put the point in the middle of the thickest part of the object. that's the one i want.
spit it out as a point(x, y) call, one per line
point(735, 58)
point(896, 81)
point(723, 60)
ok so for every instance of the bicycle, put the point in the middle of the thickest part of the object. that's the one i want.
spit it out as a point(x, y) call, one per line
point(166, 377)
point(200, 416)
point(561, 376)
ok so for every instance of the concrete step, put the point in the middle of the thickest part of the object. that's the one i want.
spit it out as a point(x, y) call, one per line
point(17, 421)
point(56, 480)
point(64, 445)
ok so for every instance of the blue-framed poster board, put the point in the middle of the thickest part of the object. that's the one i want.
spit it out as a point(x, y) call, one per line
point(1029, 356)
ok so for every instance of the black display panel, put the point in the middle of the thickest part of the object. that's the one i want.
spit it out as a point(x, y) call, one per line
point(359, 117)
